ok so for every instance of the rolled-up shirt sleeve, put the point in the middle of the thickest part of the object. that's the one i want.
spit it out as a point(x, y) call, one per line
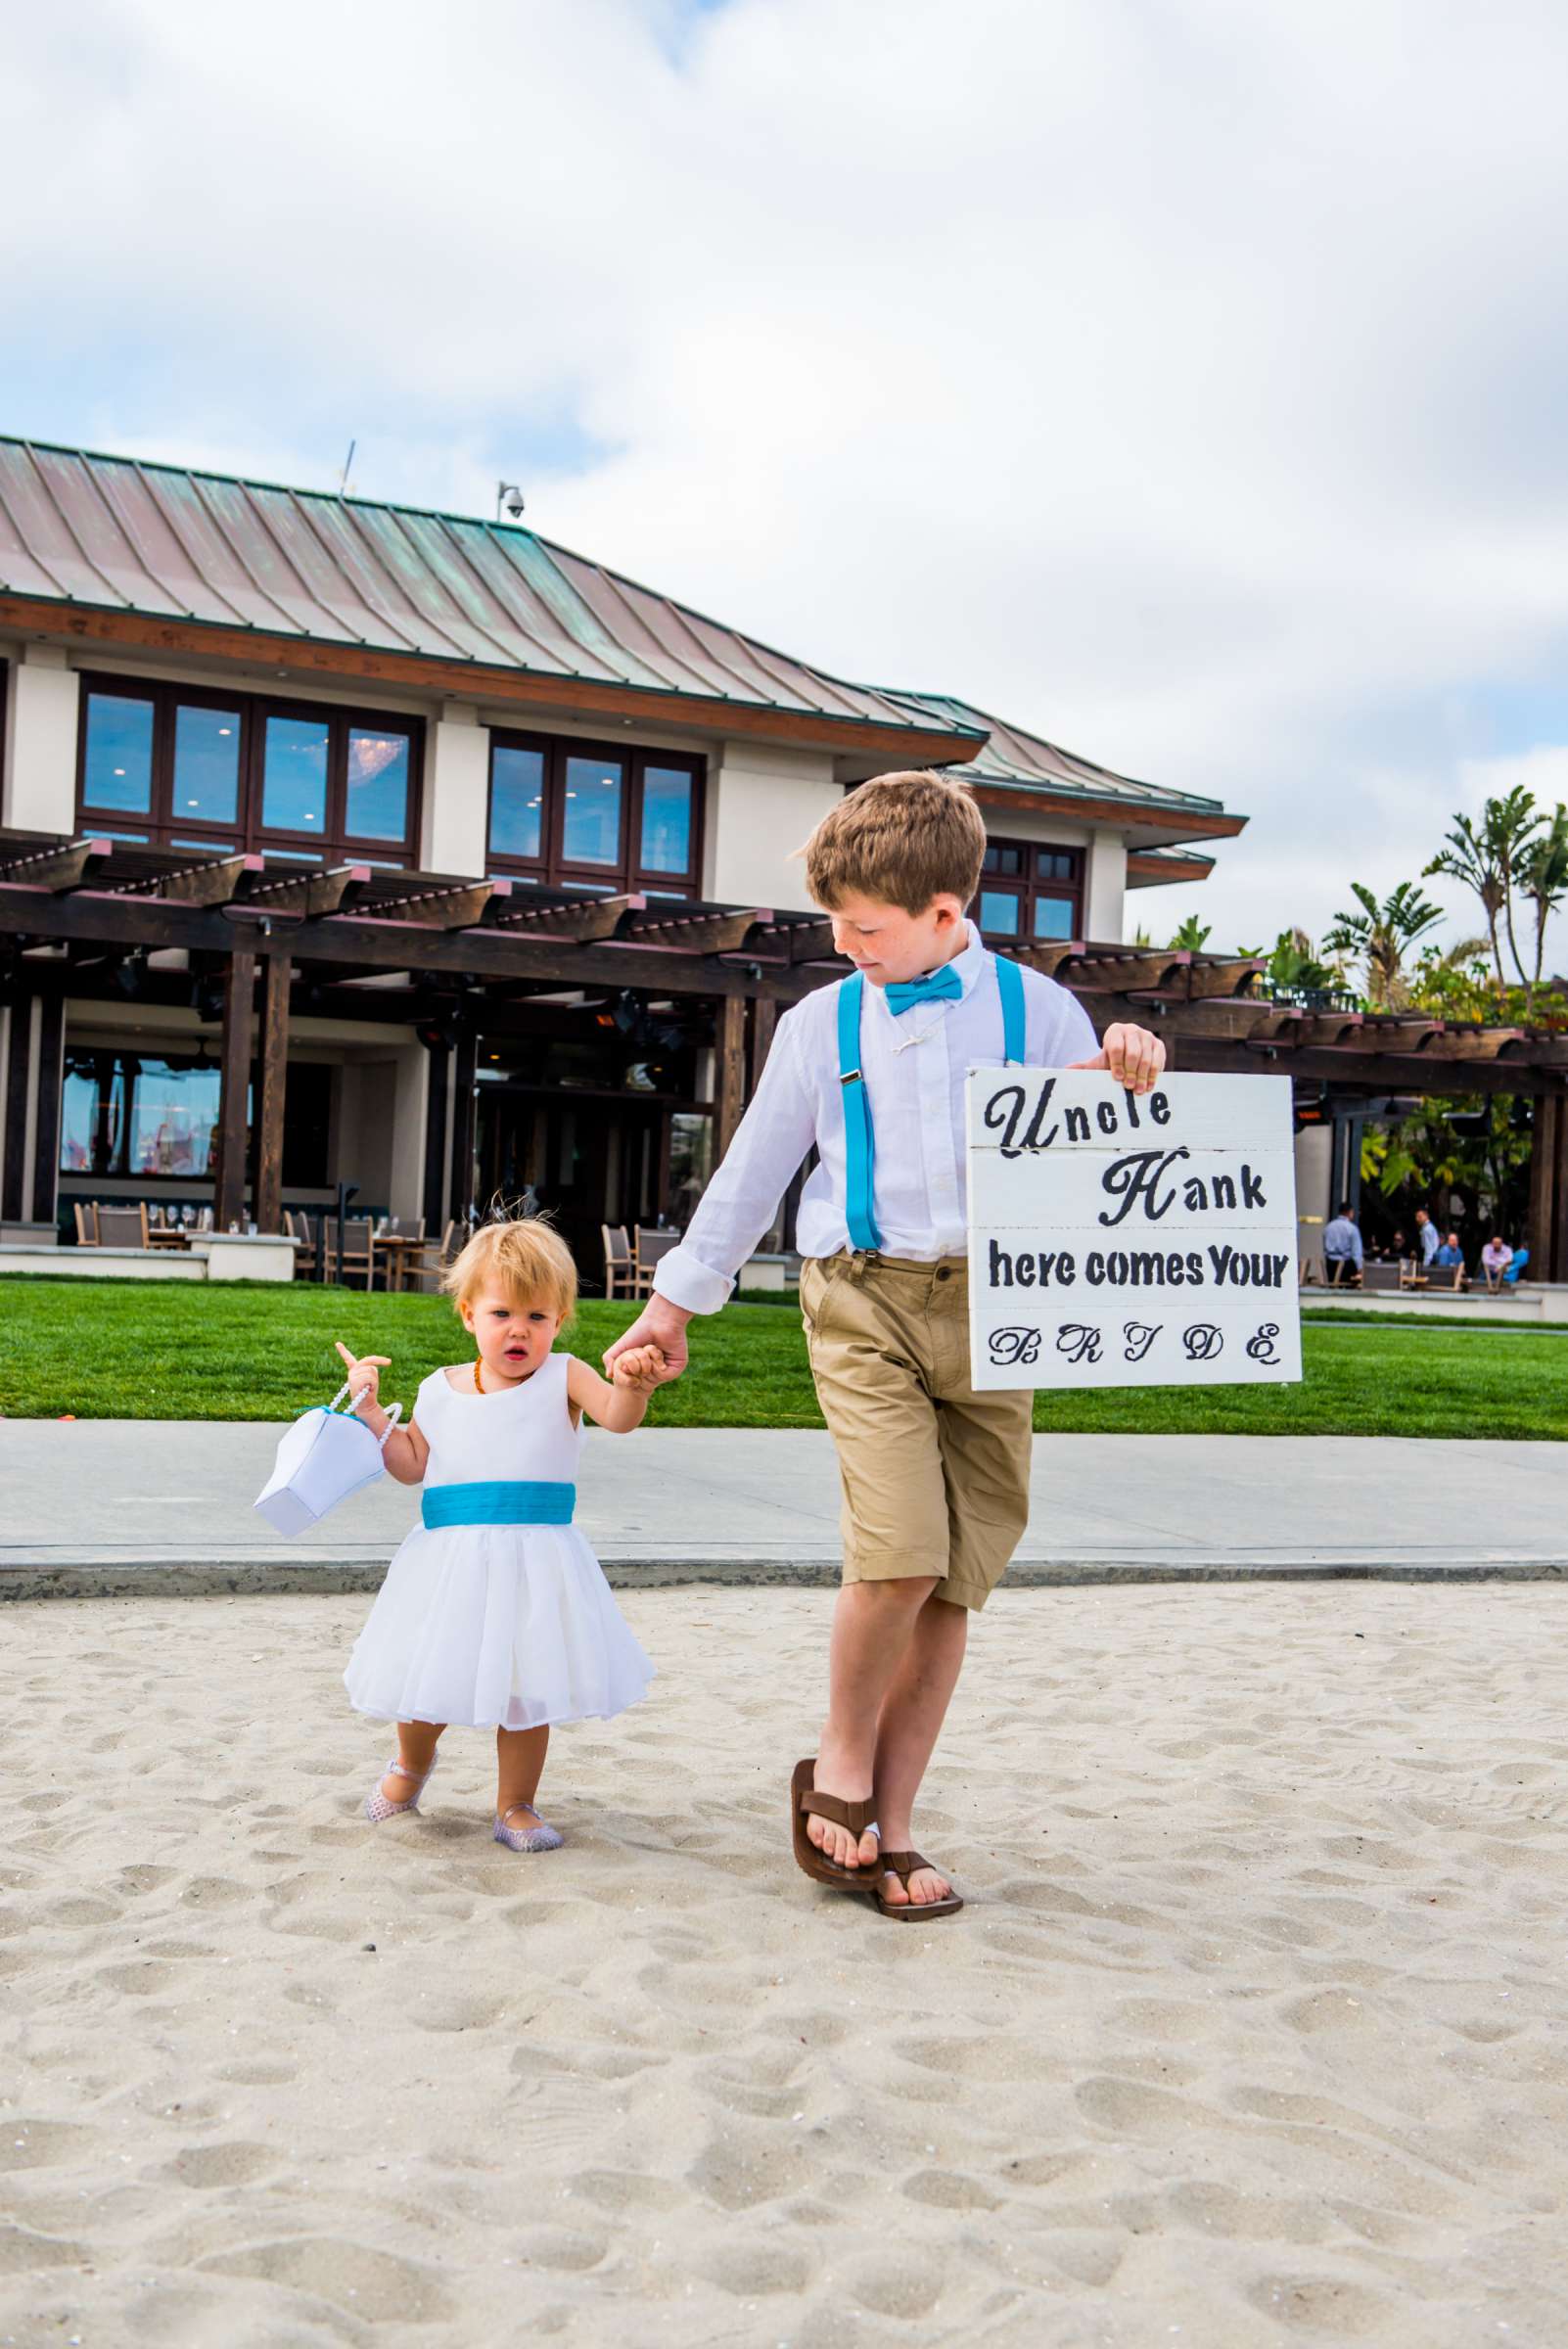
point(742, 1197)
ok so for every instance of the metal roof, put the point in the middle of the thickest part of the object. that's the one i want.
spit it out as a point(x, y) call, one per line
point(1027, 761)
point(122, 535)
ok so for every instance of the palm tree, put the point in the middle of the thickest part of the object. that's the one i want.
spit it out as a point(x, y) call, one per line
point(1512, 824)
point(1470, 856)
point(1544, 878)
point(1382, 935)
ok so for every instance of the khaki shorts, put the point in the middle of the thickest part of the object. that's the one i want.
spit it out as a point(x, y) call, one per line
point(935, 1477)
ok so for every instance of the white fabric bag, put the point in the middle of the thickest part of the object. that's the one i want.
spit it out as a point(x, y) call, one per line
point(323, 1457)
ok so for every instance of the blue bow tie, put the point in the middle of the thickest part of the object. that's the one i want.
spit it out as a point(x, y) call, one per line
point(905, 994)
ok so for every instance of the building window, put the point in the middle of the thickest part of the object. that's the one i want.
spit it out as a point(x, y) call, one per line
point(594, 799)
point(127, 1116)
point(227, 771)
point(564, 812)
point(122, 1115)
point(1029, 893)
point(666, 820)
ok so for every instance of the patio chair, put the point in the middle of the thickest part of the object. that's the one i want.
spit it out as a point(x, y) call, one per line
point(358, 1250)
point(651, 1246)
point(123, 1226)
point(85, 1211)
point(298, 1226)
point(621, 1277)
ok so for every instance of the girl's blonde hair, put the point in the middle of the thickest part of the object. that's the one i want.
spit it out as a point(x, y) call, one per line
point(522, 1258)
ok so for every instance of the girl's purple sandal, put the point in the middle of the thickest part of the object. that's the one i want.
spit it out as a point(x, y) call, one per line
point(542, 1838)
point(378, 1808)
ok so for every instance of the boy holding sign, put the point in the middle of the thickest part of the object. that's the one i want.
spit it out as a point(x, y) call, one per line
point(935, 1475)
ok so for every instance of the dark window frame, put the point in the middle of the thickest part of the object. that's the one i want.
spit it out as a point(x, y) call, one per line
point(163, 824)
point(552, 866)
point(1028, 887)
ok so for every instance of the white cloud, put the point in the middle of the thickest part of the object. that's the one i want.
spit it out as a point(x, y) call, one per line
point(1184, 383)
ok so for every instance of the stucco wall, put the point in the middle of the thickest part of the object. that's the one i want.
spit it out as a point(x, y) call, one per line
point(42, 695)
point(762, 804)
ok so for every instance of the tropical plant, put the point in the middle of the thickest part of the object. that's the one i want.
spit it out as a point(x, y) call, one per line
point(1381, 935)
point(1515, 851)
point(1189, 939)
point(1471, 856)
point(1479, 1149)
point(1544, 880)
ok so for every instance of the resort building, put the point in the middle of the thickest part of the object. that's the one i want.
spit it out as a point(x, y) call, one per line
point(533, 827)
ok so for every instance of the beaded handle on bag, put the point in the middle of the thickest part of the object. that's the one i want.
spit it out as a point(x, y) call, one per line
point(394, 1414)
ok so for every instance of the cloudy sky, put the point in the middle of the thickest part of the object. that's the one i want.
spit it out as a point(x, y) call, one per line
point(1184, 379)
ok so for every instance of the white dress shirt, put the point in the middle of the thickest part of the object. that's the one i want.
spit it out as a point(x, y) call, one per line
point(914, 1066)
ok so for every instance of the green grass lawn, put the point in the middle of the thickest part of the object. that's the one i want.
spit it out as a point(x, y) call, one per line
point(168, 1350)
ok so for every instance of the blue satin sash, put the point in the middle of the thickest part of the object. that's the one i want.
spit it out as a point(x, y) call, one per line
point(498, 1503)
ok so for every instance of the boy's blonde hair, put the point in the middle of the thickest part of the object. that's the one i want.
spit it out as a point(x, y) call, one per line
point(523, 1259)
point(903, 839)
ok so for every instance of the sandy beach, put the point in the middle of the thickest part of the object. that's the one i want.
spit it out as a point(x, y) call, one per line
point(1253, 2033)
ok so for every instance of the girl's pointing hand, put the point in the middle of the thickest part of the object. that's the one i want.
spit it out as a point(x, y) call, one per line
point(363, 1373)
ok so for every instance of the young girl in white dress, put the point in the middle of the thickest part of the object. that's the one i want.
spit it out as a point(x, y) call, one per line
point(496, 1611)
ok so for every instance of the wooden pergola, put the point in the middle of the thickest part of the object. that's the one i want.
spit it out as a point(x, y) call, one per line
point(74, 908)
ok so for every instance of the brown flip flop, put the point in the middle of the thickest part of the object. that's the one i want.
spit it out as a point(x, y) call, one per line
point(903, 1864)
point(804, 1803)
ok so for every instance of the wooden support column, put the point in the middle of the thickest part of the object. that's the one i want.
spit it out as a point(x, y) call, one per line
point(463, 1121)
point(729, 1086)
point(764, 1019)
point(275, 1074)
point(46, 1135)
point(1546, 1224)
point(666, 1130)
point(234, 1081)
point(14, 1201)
point(438, 1084)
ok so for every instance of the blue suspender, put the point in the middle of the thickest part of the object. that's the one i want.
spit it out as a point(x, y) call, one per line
point(1010, 988)
point(860, 1141)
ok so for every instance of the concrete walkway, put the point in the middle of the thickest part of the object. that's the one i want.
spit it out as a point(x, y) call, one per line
point(117, 1506)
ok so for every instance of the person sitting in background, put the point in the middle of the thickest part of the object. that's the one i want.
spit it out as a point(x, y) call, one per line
point(1496, 1258)
point(1515, 1266)
point(1450, 1259)
point(1341, 1249)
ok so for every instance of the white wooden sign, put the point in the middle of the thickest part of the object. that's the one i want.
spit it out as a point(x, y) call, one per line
point(1118, 1241)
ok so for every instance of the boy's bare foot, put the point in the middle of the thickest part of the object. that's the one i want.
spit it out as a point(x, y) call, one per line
point(836, 1774)
point(925, 1885)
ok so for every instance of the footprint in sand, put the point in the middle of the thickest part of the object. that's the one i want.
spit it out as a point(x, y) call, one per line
point(618, 2190)
point(742, 2167)
point(141, 1978)
point(375, 2286)
point(470, 2013)
point(950, 2189)
point(1322, 2306)
point(236, 2164)
point(79, 1910)
point(906, 2286)
point(561, 2248)
point(23, 2249)
point(40, 2145)
point(214, 1892)
point(751, 2270)
point(132, 1882)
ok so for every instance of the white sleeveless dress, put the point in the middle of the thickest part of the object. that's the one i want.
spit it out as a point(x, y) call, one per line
point(508, 1625)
